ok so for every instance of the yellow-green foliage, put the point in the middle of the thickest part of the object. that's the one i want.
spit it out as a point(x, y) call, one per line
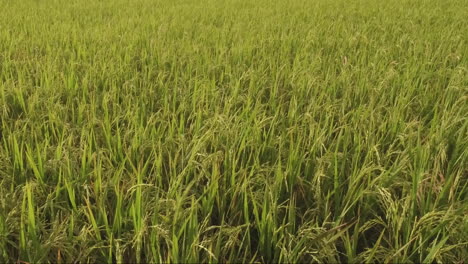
point(210, 131)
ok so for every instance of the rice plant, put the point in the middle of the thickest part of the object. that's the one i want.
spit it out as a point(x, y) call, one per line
point(233, 131)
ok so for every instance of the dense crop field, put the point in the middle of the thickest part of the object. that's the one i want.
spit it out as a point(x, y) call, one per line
point(233, 131)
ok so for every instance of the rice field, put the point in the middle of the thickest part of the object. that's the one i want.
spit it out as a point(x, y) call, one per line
point(233, 131)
